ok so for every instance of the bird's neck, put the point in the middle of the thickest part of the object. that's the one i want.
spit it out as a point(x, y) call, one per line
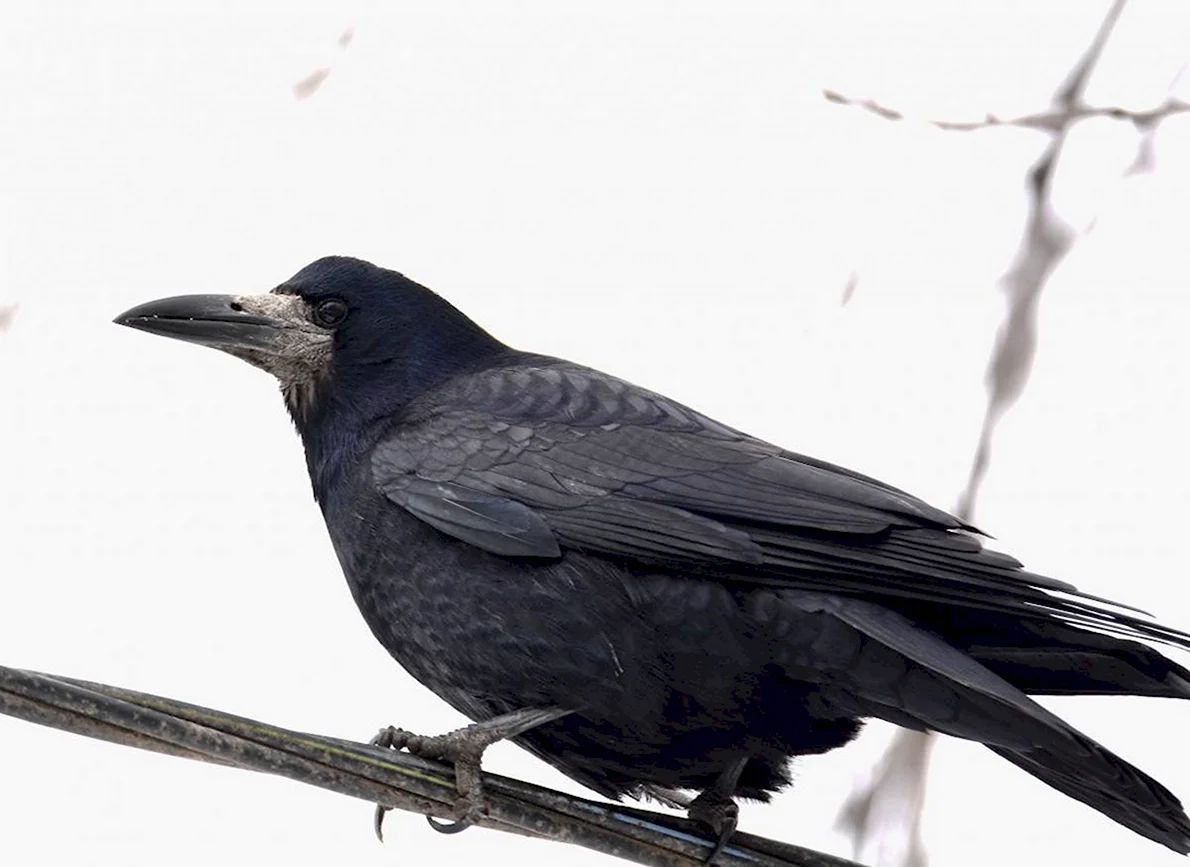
point(359, 404)
point(333, 448)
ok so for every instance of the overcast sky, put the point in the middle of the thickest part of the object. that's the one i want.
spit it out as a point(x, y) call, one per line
point(663, 194)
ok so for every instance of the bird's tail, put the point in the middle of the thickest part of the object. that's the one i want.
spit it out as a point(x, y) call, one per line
point(1048, 657)
point(1101, 779)
point(898, 672)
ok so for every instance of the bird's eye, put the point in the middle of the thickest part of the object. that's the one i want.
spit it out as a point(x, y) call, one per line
point(330, 312)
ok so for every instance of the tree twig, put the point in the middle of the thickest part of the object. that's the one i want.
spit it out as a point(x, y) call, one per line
point(396, 780)
point(1068, 105)
point(1046, 240)
point(1044, 244)
point(1045, 121)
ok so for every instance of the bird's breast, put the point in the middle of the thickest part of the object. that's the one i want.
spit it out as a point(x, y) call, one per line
point(461, 620)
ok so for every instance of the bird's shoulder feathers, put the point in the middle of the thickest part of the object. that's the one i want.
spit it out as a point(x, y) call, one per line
point(537, 456)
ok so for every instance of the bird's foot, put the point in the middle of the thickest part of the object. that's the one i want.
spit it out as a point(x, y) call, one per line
point(717, 809)
point(464, 748)
point(720, 814)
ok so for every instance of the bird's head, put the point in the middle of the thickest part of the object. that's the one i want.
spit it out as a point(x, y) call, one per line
point(341, 332)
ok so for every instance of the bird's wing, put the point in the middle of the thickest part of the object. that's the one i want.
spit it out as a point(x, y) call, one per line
point(528, 460)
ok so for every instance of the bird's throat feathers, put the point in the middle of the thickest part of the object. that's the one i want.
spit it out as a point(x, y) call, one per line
point(371, 379)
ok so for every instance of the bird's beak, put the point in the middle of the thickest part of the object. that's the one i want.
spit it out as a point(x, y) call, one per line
point(272, 331)
point(235, 324)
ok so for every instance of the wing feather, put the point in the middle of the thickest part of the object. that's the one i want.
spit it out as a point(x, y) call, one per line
point(545, 455)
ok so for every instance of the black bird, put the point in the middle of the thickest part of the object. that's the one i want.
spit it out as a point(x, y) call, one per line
point(650, 600)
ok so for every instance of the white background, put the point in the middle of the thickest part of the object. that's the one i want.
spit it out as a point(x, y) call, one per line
point(656, 189)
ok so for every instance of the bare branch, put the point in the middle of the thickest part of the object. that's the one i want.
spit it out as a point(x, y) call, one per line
point(309, 84)
point(396, 780)
point(1044, 244)
point(1071, 91)
point(1051, 121)
point(849, 288)
point(1145, 157)
point(1068, 106)
point(895, 793)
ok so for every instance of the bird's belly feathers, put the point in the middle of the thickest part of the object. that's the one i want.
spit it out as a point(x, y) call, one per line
point(665, 675)
point(459, 619)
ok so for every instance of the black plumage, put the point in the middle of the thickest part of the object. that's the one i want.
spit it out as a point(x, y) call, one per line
point(520, 531)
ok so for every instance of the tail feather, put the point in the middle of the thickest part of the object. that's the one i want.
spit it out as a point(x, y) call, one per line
point(1044, 657)
point(1104, 781)
point(1074, 670)
point(903, 674)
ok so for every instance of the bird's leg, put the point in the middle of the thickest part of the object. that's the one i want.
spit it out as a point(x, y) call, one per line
point(463, 748)
point(716, 808)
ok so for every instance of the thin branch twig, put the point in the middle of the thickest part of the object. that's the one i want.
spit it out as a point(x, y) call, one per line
point(1046, 240)
point(396, 780)
point(1052, 121)
point(1045, 243)
point(1068, 106)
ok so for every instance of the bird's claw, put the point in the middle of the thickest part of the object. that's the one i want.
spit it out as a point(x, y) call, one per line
point(378, 822)
point(721, 815)
point(385, 739)
point(725, 832)
point(469, 813)
point(464, 749)
point(469, 807)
